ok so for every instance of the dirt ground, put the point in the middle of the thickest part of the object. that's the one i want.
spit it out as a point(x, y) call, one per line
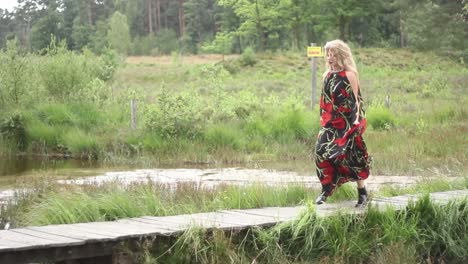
point(185, 59)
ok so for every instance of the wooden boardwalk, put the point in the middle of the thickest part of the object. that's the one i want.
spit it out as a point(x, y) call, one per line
point(55, 243)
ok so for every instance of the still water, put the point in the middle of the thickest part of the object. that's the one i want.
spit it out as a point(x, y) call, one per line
point(14, 167)
point(19, 168)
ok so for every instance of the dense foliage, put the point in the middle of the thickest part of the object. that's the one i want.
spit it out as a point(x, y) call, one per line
point(224, 26)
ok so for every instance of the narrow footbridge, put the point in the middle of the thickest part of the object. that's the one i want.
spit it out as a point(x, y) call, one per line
point(96, 242)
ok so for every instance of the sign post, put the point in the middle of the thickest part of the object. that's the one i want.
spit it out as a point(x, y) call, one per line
point(313, 52)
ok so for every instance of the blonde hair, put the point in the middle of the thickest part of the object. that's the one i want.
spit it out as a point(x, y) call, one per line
point(343, 53)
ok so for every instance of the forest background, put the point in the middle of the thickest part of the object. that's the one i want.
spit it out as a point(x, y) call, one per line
point(154, 27)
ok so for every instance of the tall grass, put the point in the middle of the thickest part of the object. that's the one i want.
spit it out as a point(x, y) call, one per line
point(64, 205)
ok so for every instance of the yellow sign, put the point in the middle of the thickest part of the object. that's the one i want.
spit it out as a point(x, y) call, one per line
point(314, 52)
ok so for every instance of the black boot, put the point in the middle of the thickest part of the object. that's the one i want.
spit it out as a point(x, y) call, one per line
point(322, 198)
point(362, 197)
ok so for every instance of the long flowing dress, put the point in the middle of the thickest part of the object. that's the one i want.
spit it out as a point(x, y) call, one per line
point(340, 152)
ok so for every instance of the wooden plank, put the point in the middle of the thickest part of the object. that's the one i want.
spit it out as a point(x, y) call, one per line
point(177, 219)
point(8, 244)
point(399, 201)
point(148, 228)
point(176, 227)
point(120, 229)
point(69, 231)
point(280, 213)
point(117, 232)
point(68, 241)
point(109, 235)
point(386, 206)
point(256, 219)
point(217, 220)
point(341, 208)
point(27, 241)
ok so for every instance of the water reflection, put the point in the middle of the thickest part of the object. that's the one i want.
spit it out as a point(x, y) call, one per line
point(14, 167)
point(19, 165)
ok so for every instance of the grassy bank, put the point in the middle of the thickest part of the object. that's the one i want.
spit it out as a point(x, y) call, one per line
point(244, 109)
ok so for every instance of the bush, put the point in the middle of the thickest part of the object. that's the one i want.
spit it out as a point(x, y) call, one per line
point(15, 76)
point(54, 114)
point(222, 136)
point(45, 134)
point(248, 57)
point(12, 129)
point(380, 117)
point(166, 41)
point(81, 144)
point(293, 122)
point(175, 116)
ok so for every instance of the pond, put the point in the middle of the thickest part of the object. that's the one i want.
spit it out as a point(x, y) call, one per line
point(14, 168)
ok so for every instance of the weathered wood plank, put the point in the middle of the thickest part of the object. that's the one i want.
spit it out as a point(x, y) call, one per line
point(256, 219)
point(150, 228)
point(165, 223)
point(280, 213)
point(28, 241)
point(120, 230)
point(69, 231)
point(59, 238)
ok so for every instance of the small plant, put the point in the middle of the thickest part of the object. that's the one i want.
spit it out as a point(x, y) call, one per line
point(12, 128)
point(380, 117)
point(248, 57)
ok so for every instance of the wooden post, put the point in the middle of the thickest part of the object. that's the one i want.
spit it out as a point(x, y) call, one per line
point(133, 113)
point(314, 78)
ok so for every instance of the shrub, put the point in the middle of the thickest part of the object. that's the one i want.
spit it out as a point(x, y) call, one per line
point(379, 117)
point(54, 114)
point(294, 122)
point(248, 57)
point(222, 136)
point(12, 128)
point(15, 75)
point(81, 144)
point(44, 133)
point(166, 41)
point(175, 116)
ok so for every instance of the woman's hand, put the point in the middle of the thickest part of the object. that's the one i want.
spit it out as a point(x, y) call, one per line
point(356, 121)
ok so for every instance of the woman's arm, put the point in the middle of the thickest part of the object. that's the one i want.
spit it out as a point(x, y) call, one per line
point(353, 80)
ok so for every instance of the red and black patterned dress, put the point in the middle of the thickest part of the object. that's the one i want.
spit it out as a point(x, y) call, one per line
point(341, 154)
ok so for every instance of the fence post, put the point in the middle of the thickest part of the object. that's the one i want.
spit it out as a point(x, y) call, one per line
point(314, 77)
point(133, 110)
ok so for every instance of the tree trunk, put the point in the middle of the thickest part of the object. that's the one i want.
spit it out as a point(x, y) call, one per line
point(402, 32)
point(259, 27)
point(89, 10)
point(181, 18)
point(158, 15)
point(342, 27)
point(150, 17)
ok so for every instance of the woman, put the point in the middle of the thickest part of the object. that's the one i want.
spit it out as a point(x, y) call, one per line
point(341, 154)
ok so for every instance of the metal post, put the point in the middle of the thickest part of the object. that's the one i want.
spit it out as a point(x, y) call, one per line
point(133, 113)
point(314, 78)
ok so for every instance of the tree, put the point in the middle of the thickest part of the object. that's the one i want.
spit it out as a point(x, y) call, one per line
point(47, 26)
point(261, 20)
point(119, 35)
point(200, 22)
